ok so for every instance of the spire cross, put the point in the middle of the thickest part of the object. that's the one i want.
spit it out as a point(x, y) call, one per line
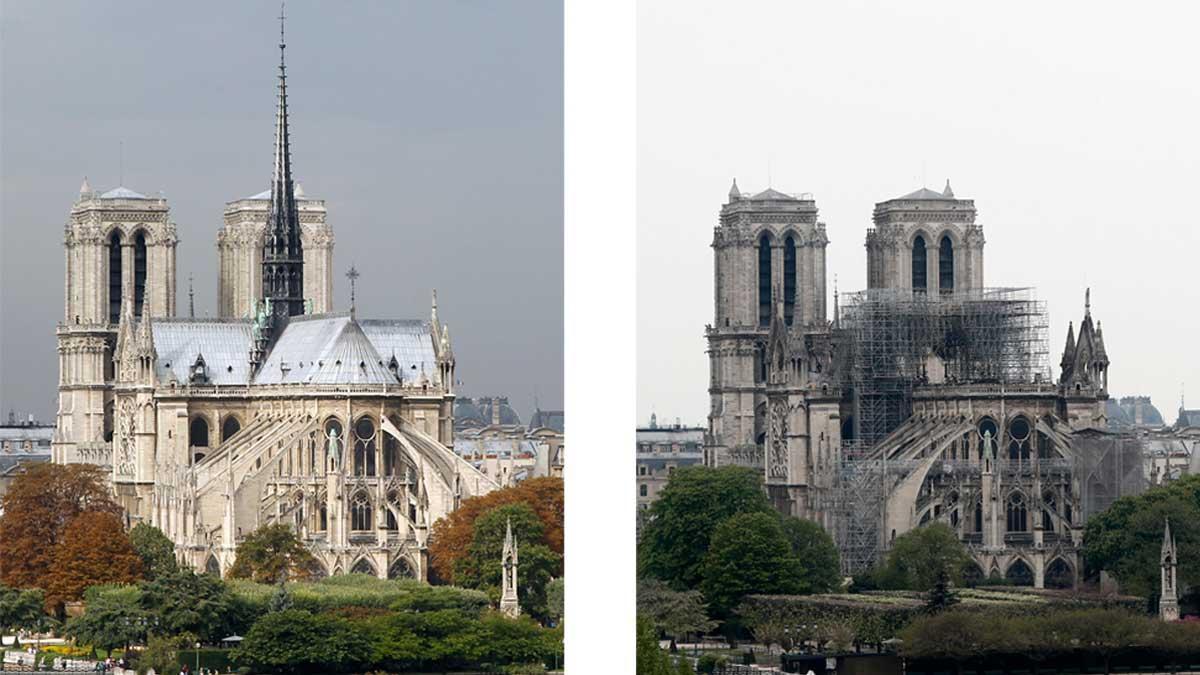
point(191, 299)
point(353, 276)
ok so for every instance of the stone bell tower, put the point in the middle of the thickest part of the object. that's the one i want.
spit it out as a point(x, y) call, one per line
point(119, 266)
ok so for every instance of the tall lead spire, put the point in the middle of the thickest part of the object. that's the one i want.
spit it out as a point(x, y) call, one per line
point(283, 255)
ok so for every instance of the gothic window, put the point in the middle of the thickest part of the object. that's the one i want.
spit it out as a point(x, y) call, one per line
point(324, 523)
point(198, 433)
point(919, 271)
point(229, 427)
point(401, 570)
point(363, 566)
point(1047, 517)
point(1019, 574)
point(1018, 520)
point(764, 280)
point(392, 461)
point(334, 437)
point(114, 277)
point(1044, 447)
point(364, 447)
point(946, 265)
point(139, 273)
point(789, 279)
point(392, 525)
point(360, 512)
point(1019, 433)
point(1059, 575)
point(979, 516)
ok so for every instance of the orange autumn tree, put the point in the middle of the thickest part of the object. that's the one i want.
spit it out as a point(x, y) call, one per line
point(94, 550)
point(452, 535)
point(37, 507)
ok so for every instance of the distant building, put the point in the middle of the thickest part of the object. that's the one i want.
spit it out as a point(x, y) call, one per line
point(22, 443)
point(489, 434)
point(661, 450)
point(1132, 412)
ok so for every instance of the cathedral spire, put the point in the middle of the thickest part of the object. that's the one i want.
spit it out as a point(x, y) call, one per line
point(283, 257)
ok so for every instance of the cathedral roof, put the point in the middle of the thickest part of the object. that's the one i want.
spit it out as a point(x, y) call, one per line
point(772, 194)
point(123, 193)
point(265, 195)
point(324, 349)
point(926, 193)
point(225, 343)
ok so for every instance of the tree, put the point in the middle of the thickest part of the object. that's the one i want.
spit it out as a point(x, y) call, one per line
point(675, 539)
point(155, 549)
point(281, 600)
point(162, 651)
point(677, 614)
point(22, 610)
point(749, 553)
point(186, 602)
point(298, 641)
point(482, 566)
point(452, 535)
point(37, 507)
point(940, 596)
point(555, 600)
point(113, 618)
point(815, 549)
point(93, 550)
point(918, 555)
point(272, 553)
point(1126, 538)
point(650, 659)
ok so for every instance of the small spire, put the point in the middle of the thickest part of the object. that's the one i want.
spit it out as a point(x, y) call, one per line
point(433, 315)
point(948, 192)
point(299, 191)
point(353, 276)
point(86, 188)
point(1087, 302)
point(836, 320)
point(191, 299)
point(734, 193)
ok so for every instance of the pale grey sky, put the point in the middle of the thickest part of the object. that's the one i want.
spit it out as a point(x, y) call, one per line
point(1073, 126)
point(433, 130)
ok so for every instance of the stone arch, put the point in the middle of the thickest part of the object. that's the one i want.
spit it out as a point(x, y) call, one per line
point(1019, 434)
point(333, 429)
point(402, 568)
point(365, 436)
point(362, 511)
point(212, 565)
point(1059, 574)
point(230, 426)
point(1019, 573)
point(198, 432)
point(114, 266)
point(764, 246)
point(972, 574)
point(141, 266)
point(364, 565)
point(947, 247)
point(919, 255)
point(791, 274)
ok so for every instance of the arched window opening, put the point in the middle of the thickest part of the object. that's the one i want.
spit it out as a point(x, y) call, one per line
point(1019, 574)
point(987, 432)
point(919, 282)
point(391, 456)
point(1048, 511)
point(360, 512)
point(392, 525)
point(229, 427)
point(1059, 575)
point(114, 278)
point(1018, 520)
point(1019, 433)
point(139, 274)
point(401, 570)
point(946, 265)
point(1044, 447)
point(972, 575)
point(198, 433)
point(324, 519)
point(364, 447)
point(334, 443)
point(764, 281)
point(979, 516)
point(789, 279)
point(211, 566)
point(363, 566)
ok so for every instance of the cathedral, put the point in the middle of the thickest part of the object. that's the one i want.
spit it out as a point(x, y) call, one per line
point(279, 410)
point(927, 397)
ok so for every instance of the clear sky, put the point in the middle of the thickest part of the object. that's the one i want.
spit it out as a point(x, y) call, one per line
point(1074, 126)
point(433, 130)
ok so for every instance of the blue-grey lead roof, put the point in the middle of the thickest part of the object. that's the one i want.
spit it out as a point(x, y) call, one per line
point(225, 344)
point(122, 193)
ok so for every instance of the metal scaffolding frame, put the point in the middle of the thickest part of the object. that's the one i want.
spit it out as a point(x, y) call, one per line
point(890, 340)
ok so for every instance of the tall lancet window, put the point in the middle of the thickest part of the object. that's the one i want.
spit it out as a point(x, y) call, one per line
point(789, 279)
point(139, 273)
point(946, 265)
point(764, 280)
point(919, 281)
point(114, 277)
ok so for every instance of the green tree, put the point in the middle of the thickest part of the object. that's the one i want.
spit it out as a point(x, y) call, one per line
point(816, 551)
point(162, 651)
point(272, 553)
point(940, 597)
point(22, 609)
point(675, 540)
point(482, 566)
point(749, 554)
point(555, 600)
point(295, 640)
point(677, 614)
point(650, 659)
point(155, 549)
point(918, 555)
point(113, 618)
point(1126, 538)
point(186, 602)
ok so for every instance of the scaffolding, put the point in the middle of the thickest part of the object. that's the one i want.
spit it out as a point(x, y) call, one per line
point(891, 340)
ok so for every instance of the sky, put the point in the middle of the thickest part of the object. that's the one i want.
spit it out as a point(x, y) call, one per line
point(1073, 126)
point(433, 131)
